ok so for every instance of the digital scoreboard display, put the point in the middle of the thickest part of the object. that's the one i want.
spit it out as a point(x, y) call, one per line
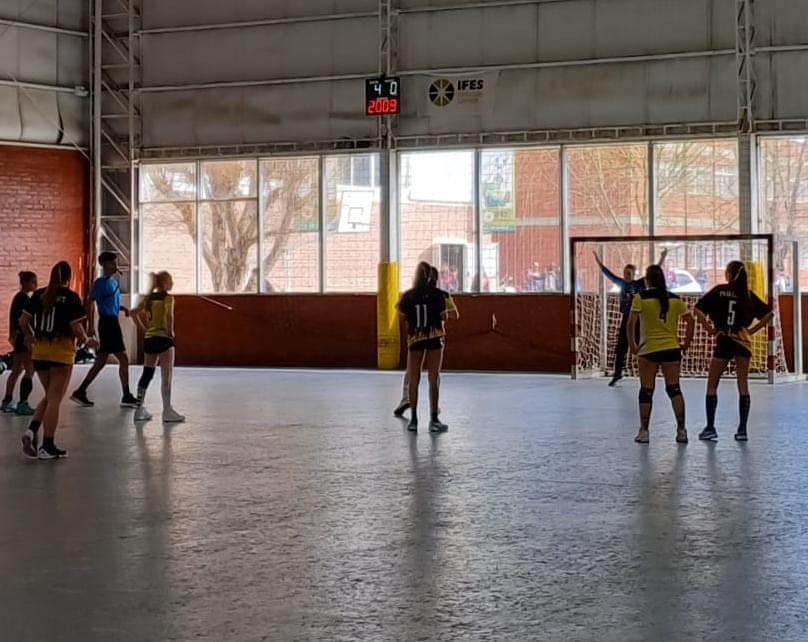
point(382, 97)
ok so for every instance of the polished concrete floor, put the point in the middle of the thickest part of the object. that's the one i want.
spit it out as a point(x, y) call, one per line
point(293, 506)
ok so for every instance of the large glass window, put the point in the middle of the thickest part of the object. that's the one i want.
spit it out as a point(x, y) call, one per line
point(783, 207)
point(696, 187)
point(352, 214)
point(696, 193)
point(277, 225)
point(229, 226)
point(521, 226)
point(436, 210)
point(608, 194)
point(290, 200)
point(169, 232)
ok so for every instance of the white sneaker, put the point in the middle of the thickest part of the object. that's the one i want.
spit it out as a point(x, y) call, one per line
point(436, 425)
point(171, 416)
point(141, 414)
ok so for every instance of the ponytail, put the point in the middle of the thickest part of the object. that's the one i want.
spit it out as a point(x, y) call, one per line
point(655, 278)
point(738, 279)
point(60, 276)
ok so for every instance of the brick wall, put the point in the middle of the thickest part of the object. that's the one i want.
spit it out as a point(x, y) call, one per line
point(44, 210)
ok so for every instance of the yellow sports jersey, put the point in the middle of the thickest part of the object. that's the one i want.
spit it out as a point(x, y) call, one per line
point(657, 334)
point(156, 308)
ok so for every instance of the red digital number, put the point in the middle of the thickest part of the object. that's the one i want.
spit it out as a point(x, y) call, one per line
point(381, 106)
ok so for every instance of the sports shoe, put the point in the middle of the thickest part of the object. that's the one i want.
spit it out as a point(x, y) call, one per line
point(171, 416)
point(29, 444)
point(436, 425)
point(741, 435)
point(681, 436)
point(402, 408)
point(412, 426)
point(24, 410)
point(614, 381)
point(8, 407)
point(141, 414)
point(129, 401)
point(51, 453)
point(708, 434)
point(642, 436)
point(80, 398)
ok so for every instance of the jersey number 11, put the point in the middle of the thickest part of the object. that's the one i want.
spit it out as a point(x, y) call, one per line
point(421, 316)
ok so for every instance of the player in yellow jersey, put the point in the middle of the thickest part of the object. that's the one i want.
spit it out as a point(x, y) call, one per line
point(657, 312)
point(155, 315)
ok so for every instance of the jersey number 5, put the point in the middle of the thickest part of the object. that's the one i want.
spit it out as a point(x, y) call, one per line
point(731, 313)
point(421, 316)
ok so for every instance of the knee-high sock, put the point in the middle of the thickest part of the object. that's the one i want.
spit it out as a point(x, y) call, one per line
point(26, 387)
point(145, 380)
point(712, 404)
point(744, 403)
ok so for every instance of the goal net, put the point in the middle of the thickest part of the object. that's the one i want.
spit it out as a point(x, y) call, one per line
point(692, 267)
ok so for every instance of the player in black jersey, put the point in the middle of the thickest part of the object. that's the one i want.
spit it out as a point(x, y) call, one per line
point(425, 309)
point(52, 322)
point(727, 311)
point(404, 404)
point(22, 364)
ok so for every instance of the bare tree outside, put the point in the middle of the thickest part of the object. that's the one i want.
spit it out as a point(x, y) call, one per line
point(230, 227)
point(784, 191)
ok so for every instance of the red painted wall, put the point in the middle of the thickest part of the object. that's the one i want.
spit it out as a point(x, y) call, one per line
point(44, 215)
point(337, 330)
point(531, 333)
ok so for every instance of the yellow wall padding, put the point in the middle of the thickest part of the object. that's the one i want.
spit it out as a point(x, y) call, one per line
point(757, 278)
point(756, 273)
point(388, 335)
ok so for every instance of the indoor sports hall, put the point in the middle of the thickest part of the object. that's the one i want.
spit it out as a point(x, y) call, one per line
point(403, 320)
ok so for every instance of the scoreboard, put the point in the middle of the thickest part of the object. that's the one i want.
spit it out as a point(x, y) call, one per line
point(382, 96)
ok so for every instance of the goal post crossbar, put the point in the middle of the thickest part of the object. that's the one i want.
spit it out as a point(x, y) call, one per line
point(773, 340)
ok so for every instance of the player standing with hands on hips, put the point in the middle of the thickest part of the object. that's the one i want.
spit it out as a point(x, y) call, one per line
point(657, 312)
point(629, 286)
point(106, 294)
point(727, 311)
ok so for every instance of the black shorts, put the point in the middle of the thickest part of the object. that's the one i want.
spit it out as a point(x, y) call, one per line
point(429, 344)
point(726, 349)
point(110, 336)
point(44, 366)
point(664, 356)
point(157, 345)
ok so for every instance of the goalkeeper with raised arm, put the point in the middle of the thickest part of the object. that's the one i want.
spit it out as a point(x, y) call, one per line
point(629, 286)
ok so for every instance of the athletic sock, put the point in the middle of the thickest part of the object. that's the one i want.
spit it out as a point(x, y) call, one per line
point(712, 404)
point(744, 403)
point(414, 416)
point(47, 443)
point(7, 399)
point(26, 387)
point(165, 391)
point(434, 416)
point(145, 380)
point(34, 426)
